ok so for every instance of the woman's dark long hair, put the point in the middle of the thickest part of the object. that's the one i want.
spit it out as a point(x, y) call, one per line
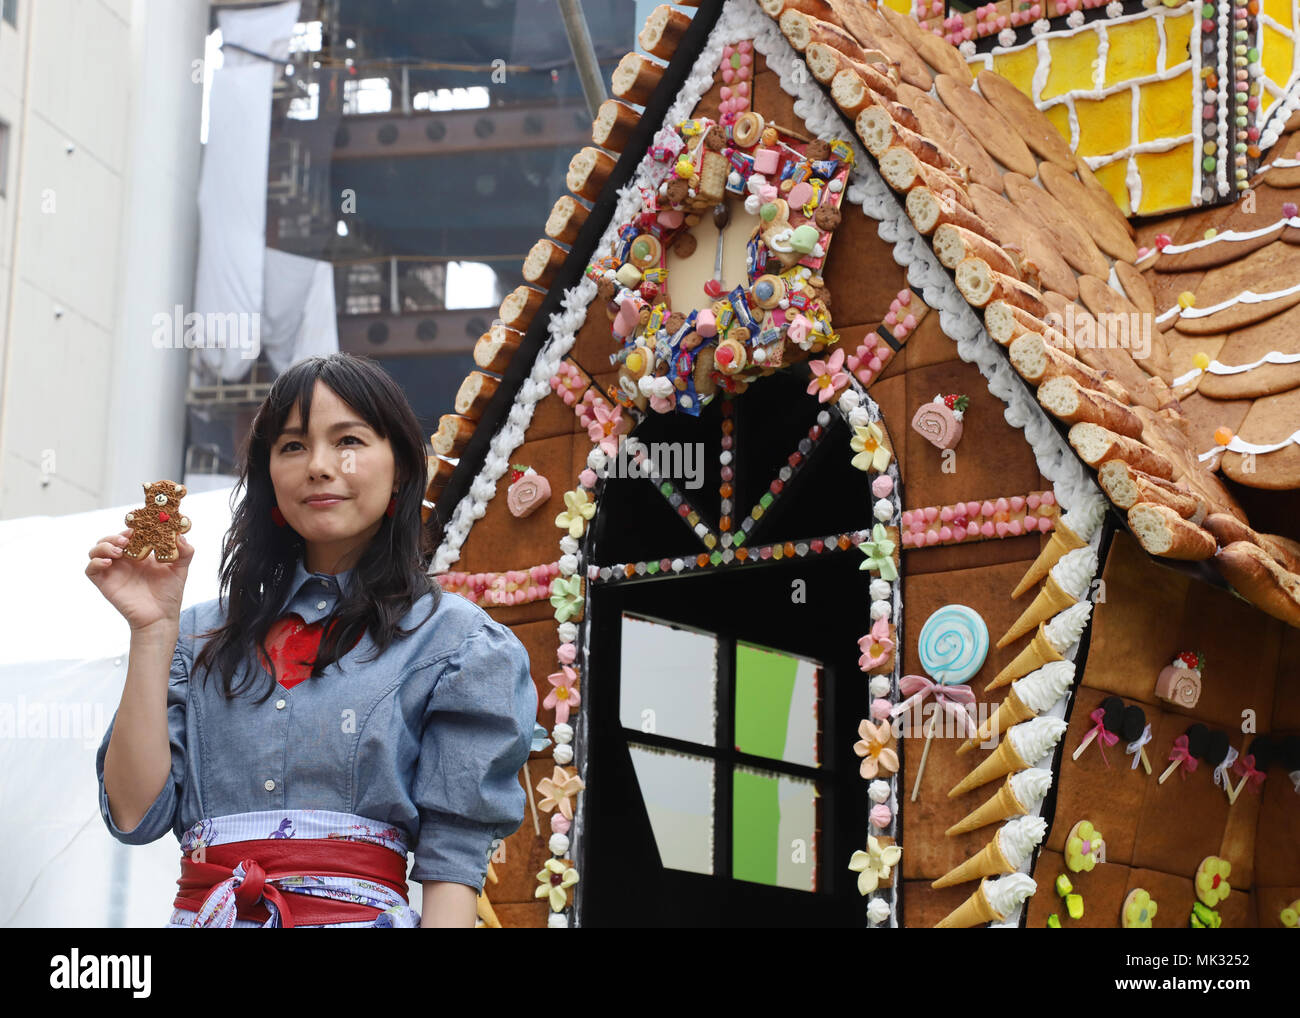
point(259, 558)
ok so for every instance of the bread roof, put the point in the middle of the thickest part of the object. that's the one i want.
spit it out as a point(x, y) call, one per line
point(1060, 229)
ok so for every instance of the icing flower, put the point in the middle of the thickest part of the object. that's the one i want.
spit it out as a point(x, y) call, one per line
point(880, 554)
point(869, 444)
point(1290, 916)
point(563, 697)
point(558, 789)
point(828, 376)
point(606, 425)
point(1139, 910)
point(1212, 884)
point(554, 880)
point(566, 597)
point(876, 646)
point(1084, 848)
point(579, 510)
point(874, 865)
point(874, 749)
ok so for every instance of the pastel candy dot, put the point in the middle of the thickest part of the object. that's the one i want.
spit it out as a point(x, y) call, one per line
point(986, 509)
point(931, 514)
point(1186, 299)
point(1201, 360)
point(1032, 501)
point(1222, 436)
point(987, 530)
point(972, 508)
point(946, 514)
point(931, 537)
point(882, 486)
point(945, 533)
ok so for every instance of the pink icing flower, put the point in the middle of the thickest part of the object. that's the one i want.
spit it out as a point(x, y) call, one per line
point(606, 425)
point(876, 646)
point(563, 696)
point(828, 376)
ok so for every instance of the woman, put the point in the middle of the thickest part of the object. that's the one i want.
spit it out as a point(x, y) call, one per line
point(389, 716)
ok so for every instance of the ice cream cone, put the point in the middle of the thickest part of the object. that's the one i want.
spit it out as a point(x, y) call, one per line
point(1003, 806)
point(1038, 653)
point(1010, 711)
point(974, 911)
point(1050, 600)
point(991, 862)
point(1003, 760)
point(1063, 540)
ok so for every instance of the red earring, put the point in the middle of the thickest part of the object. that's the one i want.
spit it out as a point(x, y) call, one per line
point(277, 516)
point(392, 507)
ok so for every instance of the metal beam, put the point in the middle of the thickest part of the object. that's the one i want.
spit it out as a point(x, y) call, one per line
point(431, 332)
point(389, 135)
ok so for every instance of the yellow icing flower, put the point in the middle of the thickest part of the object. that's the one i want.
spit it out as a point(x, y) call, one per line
point(869, 444)
point(1212, 880)
point(579, 510)
point(1139, 910)
point(1084, 847)
point(874, 865)
point(554, 881)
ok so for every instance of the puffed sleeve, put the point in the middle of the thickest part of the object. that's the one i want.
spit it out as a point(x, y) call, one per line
point(161, 816)
point(477, 734)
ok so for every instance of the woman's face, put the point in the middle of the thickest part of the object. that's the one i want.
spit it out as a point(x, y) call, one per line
point(342, 457)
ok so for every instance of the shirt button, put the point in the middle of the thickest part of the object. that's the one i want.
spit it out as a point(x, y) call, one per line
point(320, 605)
point(279, 705)
point(270, 785)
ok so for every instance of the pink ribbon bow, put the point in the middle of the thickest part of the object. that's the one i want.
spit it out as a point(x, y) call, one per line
point(1245, 766)
point(951, 699)
point(1103, 736)
point(1182, 753)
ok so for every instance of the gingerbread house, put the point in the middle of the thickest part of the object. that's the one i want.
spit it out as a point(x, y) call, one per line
point(901, 535)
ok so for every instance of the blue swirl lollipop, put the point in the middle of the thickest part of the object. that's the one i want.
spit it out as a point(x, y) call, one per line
point(953, 645)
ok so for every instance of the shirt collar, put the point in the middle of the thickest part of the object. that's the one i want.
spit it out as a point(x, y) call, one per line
point(314, 596)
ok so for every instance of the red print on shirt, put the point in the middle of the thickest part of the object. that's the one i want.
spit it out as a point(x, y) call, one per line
point(293, 644)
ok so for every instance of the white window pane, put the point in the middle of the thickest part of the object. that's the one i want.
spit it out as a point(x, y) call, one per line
point(677, 790)
point(668, 681)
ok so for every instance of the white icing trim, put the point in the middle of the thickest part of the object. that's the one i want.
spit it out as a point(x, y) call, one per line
point(1217, 368)
point(1250, 448)
point(1232, 236)
point(1245, 297)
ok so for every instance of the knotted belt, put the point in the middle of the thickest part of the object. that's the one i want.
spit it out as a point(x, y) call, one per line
point(251, 870)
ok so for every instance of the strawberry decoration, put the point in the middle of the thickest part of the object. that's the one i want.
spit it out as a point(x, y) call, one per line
point(953, 401)
point(1192, 659)
point(517, 470)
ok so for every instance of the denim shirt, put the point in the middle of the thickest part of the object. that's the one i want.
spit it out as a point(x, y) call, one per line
point(429, 737)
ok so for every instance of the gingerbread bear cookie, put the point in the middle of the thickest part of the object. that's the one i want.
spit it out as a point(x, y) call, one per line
point(159, 523)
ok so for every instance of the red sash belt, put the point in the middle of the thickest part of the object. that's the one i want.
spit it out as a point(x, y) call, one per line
point(271, 858)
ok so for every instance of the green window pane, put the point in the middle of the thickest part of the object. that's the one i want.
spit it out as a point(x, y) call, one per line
point(776, 705)
point(774, 832)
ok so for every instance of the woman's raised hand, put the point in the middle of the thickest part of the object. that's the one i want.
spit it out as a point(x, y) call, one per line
point(145, 591)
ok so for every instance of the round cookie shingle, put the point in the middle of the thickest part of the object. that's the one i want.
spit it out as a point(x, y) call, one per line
point(998, 138)
point(1057, 221)
point(1099, 213)
point(942, 128)
point(1025, 117)
point(1011, 226)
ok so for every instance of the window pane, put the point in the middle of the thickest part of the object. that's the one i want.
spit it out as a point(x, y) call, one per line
point(776, 705)
point(774, 838)
point(678, 793)
point(669, 681)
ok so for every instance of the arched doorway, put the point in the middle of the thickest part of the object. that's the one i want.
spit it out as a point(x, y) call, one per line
point(724, 691)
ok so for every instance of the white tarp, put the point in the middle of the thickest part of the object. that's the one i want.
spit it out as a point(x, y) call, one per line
point(62, 668)
point(282, 302)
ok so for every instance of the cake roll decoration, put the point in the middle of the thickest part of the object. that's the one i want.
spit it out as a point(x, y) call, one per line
point(939, 422)
point(1179, 682)
point(528, 490)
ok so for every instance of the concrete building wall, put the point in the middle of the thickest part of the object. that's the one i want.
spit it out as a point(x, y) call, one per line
point(97, 235)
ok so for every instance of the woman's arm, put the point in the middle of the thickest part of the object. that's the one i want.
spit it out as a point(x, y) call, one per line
point(447, 904)
point(138, 761)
